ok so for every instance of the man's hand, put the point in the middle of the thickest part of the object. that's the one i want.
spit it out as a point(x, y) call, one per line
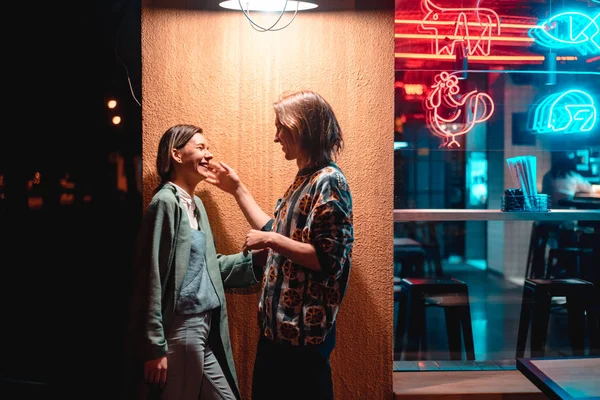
point(155, 371)
point(257, 240)
point(224, 177)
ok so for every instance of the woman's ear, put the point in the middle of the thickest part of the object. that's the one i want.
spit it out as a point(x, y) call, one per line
point(176, 156)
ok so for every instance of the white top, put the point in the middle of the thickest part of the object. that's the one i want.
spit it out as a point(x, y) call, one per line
point(190, 206)
point(564, 187)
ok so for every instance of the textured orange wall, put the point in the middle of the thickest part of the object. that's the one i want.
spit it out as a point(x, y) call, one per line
point(212, 69)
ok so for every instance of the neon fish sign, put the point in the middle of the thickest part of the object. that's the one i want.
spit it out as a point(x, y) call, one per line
point(572, 111)
point(450, 114)
point(474, 26)
point(569, 29)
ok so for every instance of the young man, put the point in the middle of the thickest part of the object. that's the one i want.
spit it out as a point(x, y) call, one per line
point(310, 240)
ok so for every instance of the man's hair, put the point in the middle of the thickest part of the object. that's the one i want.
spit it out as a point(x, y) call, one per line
point(313, 123)
point(176, 137)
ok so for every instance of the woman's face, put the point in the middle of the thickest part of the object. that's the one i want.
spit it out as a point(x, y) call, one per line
point(195, 158)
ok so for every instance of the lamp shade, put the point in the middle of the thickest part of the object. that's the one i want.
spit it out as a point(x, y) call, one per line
point(267, 5)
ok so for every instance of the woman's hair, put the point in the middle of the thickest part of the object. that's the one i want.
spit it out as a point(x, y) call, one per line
point(175, 137)
point(313, 124)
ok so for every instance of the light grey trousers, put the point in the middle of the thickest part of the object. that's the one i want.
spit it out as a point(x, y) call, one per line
point(193, 370)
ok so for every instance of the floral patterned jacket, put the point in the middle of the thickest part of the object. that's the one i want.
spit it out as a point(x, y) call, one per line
point(298, 306)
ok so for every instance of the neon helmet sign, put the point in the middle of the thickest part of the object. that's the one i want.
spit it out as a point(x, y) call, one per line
point(572, 111)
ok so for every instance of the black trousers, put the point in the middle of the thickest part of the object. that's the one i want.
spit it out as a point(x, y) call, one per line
point(291, 372)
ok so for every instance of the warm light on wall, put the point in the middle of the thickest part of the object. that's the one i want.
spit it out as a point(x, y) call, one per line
point(274, 6)
point(116, 120)
point(111, 104)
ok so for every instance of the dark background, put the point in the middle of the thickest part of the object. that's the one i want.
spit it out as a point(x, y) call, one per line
point(65, 270)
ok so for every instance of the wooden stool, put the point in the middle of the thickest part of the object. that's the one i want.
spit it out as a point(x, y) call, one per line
point(535, 309)
point(568, 262)
point(409, 258)
point(413, 296)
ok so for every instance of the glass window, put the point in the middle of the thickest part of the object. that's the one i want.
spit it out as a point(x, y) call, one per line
point(497, 182)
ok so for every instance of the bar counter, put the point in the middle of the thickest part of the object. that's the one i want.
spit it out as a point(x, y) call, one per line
point(407, 215)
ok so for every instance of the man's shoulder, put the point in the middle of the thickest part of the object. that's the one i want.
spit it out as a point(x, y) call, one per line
point(331, 171)
point(332, 175)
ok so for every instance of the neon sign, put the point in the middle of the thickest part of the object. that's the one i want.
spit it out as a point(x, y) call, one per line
point(572, 111)
point(450, 114)
point(569, 29)
point(473, 27)
point(413, 89)
point(483, 59)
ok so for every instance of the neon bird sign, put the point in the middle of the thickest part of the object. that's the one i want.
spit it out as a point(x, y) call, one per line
point(473, 27)
point(572, 111)
point(569, 29)
point(449, 114)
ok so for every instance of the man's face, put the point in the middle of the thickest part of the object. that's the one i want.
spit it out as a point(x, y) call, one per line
point(288, 143)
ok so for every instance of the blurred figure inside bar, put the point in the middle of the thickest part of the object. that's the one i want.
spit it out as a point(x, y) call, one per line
point(563, 181)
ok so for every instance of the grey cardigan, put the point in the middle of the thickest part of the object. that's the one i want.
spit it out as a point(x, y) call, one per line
point(162, 258)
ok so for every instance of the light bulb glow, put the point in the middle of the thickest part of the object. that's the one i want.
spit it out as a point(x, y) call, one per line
point(111, 104)
point(116, 120)
point(267, 5)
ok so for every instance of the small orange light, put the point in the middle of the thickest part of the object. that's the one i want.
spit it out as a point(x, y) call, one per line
point(112, 104)
point(116, 120)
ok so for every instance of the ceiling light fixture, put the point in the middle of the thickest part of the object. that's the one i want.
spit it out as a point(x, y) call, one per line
point(279, 6)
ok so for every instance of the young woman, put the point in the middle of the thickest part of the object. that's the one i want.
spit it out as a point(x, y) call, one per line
point(178, 308)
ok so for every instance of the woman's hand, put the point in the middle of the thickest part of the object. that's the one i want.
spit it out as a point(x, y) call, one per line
point(257, 240)
point(155, 371)
point(224, 177)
